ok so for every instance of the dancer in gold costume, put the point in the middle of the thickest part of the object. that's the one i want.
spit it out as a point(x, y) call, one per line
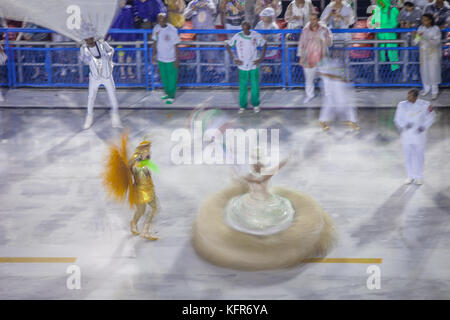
point(132, 176)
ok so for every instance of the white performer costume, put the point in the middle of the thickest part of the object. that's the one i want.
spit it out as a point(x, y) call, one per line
point(101, 66)
point(337, 98)
point(430, 58)
point(413, 120)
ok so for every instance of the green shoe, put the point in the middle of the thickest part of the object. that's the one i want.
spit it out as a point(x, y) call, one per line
point(169, 101)
point(165, 97)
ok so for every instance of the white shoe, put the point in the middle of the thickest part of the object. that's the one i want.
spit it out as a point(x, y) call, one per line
point(423, 93)
point(241, 110)
point(434, 96)
point(256, 109)
point(115, 120)
point(308, 99)
point(409, 181)
point(88, 122)
point(418, 182)
point(1, 97)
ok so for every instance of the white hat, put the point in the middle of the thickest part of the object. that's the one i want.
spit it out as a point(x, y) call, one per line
point(267, 12)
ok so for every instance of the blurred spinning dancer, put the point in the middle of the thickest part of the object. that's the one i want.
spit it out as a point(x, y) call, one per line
point(133, 176)
point(413, 117)
point(98, 54)
point(337, 102)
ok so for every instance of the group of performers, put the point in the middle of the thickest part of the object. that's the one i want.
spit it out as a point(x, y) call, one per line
point(131, 177)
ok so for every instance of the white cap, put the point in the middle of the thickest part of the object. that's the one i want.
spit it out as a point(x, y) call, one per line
point(267, 12)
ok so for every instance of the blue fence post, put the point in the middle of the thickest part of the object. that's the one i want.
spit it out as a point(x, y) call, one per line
point(283, 59)
point(9, 62)
point(48, 65)
point(146, 68)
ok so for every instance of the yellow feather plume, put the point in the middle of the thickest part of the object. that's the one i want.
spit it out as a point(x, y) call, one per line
point(117, 176)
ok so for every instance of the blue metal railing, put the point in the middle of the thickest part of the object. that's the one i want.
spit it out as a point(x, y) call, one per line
point(49, 64)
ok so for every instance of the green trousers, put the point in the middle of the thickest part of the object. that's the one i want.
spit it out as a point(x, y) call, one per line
point(169, 76)
point(392, 54)
point(244, 77)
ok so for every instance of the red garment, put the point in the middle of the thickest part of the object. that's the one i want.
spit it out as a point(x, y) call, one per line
point(313, 45)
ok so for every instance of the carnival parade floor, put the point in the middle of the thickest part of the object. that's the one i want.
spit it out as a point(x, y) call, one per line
point(52, 204)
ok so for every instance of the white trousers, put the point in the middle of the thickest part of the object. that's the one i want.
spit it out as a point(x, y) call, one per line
point(310, 75)
point(434, 88)
point(110, 87)
point(415, 159)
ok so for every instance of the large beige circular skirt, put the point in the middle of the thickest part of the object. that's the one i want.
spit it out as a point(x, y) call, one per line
point(311, 235)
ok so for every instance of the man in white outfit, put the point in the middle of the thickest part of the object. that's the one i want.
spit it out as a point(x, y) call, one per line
point(413, 117)
point(98, 54)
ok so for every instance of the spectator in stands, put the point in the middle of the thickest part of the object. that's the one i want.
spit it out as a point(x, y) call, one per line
point(428, 37)
point(201, 13)
point(165, 51)
point(175, 10)
point(263, 4)
point(385, 17)
point(312, 48)
point(267, 22)
point(36, 57)
point(125, 20)
point(338, 15)
point(233, 13)
point(297, 15)
point(63, 57)
point(246, 43)
point(146, 12)
point(421, 4)
point(440, 11)
point(409, 16)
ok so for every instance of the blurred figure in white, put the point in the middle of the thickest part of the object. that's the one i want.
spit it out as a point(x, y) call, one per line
point(297, 15)
point(428, 37)
point(98, 54)
point(413, 117)
point(312, 48)
point(3, 58)
point(337, 96)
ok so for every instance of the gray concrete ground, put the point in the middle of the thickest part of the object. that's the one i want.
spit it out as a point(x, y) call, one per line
point(187, 98)
point(53, 205)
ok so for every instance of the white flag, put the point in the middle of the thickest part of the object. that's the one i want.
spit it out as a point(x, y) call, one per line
point(76, 19)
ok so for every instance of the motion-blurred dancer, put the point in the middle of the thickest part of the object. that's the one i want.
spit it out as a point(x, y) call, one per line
point(413, 117)
point(337, 101)
point(98, 54)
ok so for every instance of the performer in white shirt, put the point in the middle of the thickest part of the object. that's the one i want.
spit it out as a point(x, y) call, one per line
point(246, 43)
point(98, 54)
point(413, 117)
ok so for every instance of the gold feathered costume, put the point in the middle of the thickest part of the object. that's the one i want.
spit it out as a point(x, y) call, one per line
point(125, 175)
